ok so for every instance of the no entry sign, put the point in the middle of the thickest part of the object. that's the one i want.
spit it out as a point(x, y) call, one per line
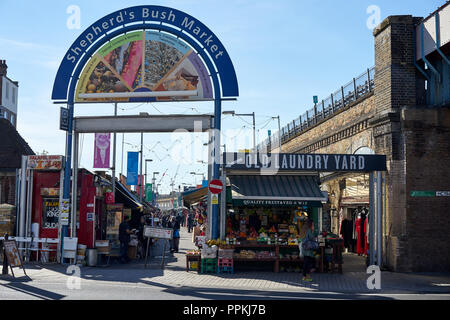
point(215, 186)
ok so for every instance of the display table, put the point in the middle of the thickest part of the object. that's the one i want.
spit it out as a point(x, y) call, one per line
point(336, 258)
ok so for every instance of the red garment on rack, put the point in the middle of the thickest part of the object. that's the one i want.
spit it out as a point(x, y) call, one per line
point(366, 245)
point(359, 249)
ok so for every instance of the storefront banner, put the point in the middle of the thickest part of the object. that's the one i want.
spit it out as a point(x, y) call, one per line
point(132, 168)
point(44, 162)
point(102, 148)
point(276, 203)
point(267, 163)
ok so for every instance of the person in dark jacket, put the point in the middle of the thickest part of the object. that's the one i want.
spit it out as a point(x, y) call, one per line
point(124, 238)
point(190, 222)
point(176, 235)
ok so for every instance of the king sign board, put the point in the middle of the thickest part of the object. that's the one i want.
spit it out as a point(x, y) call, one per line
point(132, 51)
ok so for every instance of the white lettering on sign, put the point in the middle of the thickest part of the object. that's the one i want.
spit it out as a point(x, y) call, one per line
point(190, 25)
point(442, 193)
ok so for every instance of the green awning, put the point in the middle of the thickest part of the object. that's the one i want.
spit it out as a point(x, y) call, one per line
point(276, 190)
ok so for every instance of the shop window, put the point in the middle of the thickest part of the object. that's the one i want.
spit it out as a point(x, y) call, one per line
point(50, 213)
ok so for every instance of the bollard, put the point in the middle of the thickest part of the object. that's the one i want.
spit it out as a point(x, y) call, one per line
point(5, 259)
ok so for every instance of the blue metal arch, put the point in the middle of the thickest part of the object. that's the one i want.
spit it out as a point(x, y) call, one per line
point(228, 79)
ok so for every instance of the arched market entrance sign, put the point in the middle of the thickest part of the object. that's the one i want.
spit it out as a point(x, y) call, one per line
point(146, 54)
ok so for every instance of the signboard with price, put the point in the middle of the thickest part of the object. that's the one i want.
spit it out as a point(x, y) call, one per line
point(159, 233)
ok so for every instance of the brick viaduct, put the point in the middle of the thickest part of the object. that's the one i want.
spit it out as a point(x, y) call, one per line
point(393, 120)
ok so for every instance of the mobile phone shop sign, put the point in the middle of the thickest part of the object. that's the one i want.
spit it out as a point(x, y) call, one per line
point(305, 162)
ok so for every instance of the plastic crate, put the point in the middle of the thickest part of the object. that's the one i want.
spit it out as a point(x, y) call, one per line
point(209, 260)
point(225, 262)
point(205, 268)
point(225, 270)
point(225, 253)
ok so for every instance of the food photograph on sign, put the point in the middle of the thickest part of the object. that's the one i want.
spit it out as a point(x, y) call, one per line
point(147, 61)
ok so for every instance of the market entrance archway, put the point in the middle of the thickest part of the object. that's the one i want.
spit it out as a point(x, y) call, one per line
point(145, 54)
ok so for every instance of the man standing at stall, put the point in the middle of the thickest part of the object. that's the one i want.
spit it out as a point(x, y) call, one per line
point(124, 238)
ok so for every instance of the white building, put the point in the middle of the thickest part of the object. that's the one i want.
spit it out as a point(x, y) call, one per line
point(8, 95)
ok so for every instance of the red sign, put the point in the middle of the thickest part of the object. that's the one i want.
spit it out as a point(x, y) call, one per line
point(109, 198)
point(215, 186)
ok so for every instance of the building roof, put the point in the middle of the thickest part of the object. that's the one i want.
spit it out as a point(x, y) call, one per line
point(12, 146)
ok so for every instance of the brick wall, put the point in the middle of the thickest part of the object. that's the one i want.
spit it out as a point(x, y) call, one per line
point(427, 148)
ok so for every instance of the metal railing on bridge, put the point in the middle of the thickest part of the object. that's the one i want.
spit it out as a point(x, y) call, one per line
point(347, 94)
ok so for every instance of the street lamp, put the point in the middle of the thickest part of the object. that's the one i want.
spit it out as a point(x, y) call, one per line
point(146, 160)
point(197, 174)
point(279, 132)
point(245, 115)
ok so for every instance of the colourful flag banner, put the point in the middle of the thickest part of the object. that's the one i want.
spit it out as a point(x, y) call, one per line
point(132, 168)
point(102, 148)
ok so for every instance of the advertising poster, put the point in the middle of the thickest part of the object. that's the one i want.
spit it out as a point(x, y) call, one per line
point(132, 168)
point(144, 61)
point(12, 253)
point(102, 146)
point(50, 213)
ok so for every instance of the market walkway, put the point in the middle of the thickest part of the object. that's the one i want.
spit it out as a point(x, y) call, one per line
point(173, 282)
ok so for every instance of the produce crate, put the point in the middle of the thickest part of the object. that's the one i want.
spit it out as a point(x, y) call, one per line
point(225, 270)
point(226, 253)
point(208, 266)
point(225, 262)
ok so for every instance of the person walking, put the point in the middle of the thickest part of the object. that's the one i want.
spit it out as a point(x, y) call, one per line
point(176, 235)
point(124, 238)
point(308, 255)
point(190, 221)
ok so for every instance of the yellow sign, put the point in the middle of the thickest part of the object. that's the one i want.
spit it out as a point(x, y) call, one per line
point(215, 199)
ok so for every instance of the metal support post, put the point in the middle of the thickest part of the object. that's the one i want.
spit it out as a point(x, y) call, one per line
point(371, 220)
point(379, 219)
point(216, 166)
point(114, 157)
point(140, 170)
point(73, 211)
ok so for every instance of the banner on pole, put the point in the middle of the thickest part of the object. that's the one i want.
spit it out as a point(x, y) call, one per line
point(132, 168)
point(149, 192)
point(102, 148)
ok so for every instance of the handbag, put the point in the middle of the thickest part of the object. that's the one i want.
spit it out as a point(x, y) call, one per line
point(176, 233)
point(310, 245)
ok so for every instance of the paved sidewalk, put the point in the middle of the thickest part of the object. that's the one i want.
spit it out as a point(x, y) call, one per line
point(174, 275)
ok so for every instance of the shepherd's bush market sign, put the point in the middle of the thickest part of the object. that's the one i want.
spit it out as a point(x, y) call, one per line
point(307, 162)
point(176, 22)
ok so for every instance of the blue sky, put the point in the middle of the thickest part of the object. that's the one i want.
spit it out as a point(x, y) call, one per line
point(284, 52)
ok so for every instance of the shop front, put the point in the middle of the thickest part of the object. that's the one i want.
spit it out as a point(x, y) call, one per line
point(266, 218)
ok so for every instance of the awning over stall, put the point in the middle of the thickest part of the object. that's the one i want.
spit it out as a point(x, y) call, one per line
point(192, 196)
point(123, 195)
point(276, 190)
